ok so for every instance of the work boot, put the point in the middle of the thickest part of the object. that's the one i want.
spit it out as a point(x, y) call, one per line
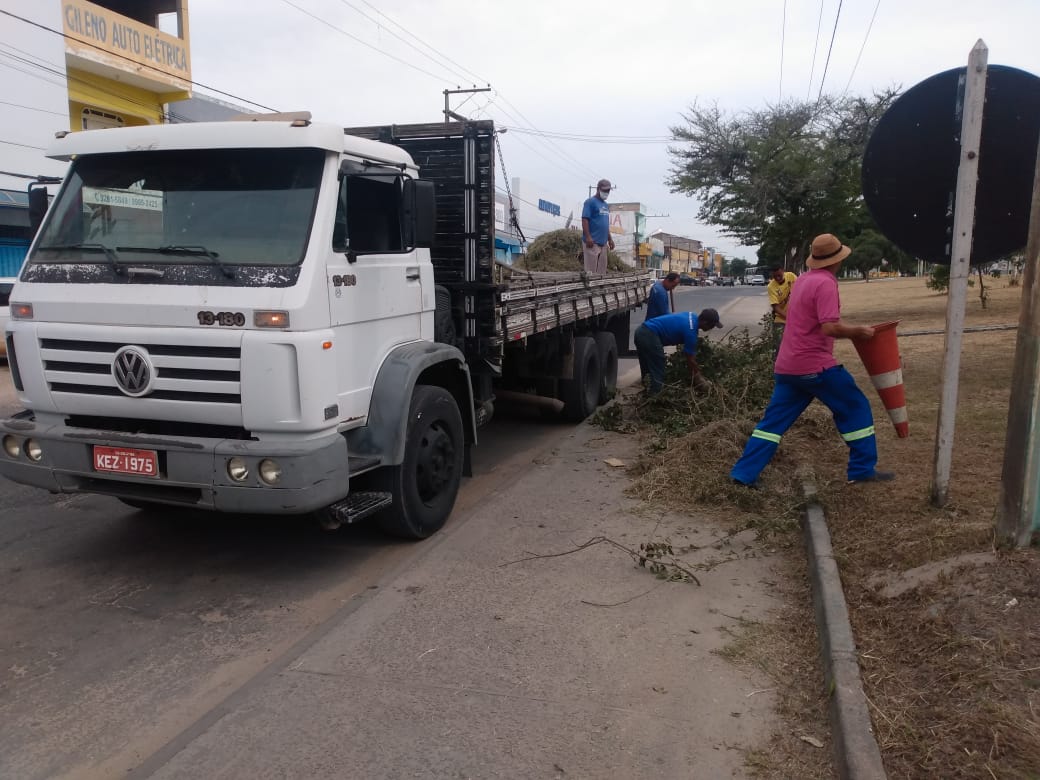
point(877, 476)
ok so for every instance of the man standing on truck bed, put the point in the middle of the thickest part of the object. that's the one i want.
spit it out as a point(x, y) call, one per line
point(595, 229)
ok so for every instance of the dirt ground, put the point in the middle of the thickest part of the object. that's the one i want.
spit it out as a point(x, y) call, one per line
point(948, 628)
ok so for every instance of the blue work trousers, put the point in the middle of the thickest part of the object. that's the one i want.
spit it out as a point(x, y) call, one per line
point(836, 388)
point(651, 357)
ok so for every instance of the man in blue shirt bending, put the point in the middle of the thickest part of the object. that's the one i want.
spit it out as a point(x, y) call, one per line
point(595, 230)
point(659, 303)
point(666, 331)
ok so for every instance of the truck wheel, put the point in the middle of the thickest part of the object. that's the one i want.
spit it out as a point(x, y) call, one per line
point(606, 344)
point(424, 486)
point(580, 394)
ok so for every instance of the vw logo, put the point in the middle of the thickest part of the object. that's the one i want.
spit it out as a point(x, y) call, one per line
point(133, 371)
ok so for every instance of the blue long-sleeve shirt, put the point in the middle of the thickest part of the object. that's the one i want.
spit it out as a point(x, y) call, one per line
point(675, 329)
point(657, 303)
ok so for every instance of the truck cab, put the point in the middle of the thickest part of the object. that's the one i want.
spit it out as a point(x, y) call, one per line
point(207, 310)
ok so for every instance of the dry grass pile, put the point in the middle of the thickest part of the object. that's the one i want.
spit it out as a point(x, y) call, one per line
point(697, 434)
point(560, 250)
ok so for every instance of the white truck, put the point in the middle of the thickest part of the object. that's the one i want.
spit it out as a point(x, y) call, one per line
point(286, 317)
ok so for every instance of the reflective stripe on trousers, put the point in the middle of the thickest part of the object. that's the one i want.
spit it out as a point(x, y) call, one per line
point(837, 390)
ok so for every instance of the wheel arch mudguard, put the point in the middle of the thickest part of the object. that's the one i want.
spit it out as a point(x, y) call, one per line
point(419, 363)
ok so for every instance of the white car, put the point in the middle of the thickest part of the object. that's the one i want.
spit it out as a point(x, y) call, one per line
point(5, 291)
point(757, 281)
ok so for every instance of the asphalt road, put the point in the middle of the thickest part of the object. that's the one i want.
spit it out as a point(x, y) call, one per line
point(121, 629)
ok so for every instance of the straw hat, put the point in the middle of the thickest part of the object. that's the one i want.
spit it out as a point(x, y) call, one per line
point(827, 250)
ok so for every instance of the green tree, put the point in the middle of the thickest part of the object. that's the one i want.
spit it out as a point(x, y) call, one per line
point(872, 251)
point(738, 267)
point(776, 177)
point(939, 279)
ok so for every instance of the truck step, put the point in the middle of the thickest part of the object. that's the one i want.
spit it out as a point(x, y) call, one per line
point(358, 506)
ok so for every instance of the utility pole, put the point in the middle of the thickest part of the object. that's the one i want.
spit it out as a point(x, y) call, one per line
point(448, 113)
point(1018, 510)
point(971, 107)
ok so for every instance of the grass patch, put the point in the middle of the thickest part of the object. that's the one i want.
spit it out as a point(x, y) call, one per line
point(951, 667)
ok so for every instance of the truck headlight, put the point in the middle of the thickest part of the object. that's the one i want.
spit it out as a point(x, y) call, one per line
point(33, 450)
point(238, 470)
point(270, 471)
point(12, 446)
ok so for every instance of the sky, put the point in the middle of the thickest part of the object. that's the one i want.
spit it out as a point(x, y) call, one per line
point(588, 69)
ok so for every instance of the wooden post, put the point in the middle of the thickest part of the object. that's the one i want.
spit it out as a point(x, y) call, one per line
point(1019, 504)
point(960, 265)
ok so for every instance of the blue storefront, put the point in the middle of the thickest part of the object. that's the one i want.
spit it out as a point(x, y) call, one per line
point(15, 231)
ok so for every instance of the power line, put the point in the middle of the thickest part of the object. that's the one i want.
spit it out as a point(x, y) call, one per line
point(26, 146)
point(432, 59)
point(816, 46)
point(523, 119)
point(783, 35)
point(65, 79)
point(129, 59)
point(365, 43)
point(33, 108)
point(862, 46)
point(25, 176)
point(830, 48)
point(577, 175)
point(428, 46)
point(591, 175)
point(587, 138)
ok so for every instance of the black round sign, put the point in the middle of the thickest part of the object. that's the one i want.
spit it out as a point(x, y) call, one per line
point(910, 165)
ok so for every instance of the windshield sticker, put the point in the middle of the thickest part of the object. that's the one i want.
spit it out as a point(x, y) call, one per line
point(150, 200)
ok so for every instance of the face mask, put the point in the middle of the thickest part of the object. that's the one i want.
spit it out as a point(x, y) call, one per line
point(603, 194)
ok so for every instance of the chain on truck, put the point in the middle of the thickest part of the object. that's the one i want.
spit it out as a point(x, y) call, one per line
point(281, 316)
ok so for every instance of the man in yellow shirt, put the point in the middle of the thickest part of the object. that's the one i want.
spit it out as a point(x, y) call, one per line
point(779, 289)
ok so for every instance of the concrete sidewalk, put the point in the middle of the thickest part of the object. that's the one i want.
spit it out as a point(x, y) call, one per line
point(464, 666)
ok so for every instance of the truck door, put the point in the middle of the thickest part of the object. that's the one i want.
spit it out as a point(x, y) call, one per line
point(375, 285)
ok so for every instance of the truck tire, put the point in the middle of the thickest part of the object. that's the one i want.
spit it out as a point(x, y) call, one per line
point(580, 394)
point(425, 485)
point(608, 364)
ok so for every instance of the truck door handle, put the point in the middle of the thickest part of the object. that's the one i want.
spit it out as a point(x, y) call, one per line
point(412, 273)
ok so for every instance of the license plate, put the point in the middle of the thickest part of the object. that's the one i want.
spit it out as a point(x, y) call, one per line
point(123, 460)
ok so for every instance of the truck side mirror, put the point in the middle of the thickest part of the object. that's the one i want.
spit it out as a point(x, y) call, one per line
point(419, 212)
point(37, 207)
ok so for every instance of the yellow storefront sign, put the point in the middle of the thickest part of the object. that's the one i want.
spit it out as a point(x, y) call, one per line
point(94, 32)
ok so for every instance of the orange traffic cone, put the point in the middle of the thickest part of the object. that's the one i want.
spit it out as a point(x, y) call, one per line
point(880, 356)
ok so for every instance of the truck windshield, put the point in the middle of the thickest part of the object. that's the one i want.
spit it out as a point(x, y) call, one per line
point(236, 206)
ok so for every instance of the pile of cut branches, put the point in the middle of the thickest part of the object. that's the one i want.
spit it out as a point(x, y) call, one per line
point(694, 436)
point(560, 250)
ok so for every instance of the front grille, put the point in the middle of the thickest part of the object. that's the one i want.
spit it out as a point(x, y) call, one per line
point(157, 427)
point(202, 374)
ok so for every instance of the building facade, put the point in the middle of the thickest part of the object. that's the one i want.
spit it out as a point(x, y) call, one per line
point(681, 254)
point(628, 228)
point(85, 65)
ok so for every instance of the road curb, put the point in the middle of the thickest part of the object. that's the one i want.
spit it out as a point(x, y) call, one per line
point(856, 752)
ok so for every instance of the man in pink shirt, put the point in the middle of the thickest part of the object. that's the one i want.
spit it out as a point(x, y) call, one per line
point(806, 369)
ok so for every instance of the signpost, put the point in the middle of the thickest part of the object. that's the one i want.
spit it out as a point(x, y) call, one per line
point(971, 107)
point(961, 145)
